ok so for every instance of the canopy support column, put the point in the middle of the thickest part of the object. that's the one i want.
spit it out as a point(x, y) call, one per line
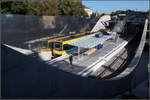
point(29, 46)
point(78, 52)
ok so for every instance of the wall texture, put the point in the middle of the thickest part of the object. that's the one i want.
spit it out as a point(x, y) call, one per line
point(26, 77)
point(17, 29)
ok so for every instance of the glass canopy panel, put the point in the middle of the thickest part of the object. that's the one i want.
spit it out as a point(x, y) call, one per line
point(90, 42)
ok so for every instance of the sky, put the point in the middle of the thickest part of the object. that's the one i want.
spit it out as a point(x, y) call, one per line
point(102, 6)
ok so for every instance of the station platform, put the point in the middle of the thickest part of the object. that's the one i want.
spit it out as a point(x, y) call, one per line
point(84, 61)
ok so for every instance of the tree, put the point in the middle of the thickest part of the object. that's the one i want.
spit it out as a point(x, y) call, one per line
point(102, 14)
point(72, 8)
point(43, 7)
point(18, 7)
point(116, 12)
point(95, 15)
point(148, 12)
point(13, 7)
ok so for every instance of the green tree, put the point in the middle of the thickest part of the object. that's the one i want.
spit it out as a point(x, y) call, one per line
point(13, 7)
point(71, 8)
point(148, 12)
point(18, 7)
point(102, 14)
point(5, 7)
point(95, 15)
point(43, 7)
point(116, 12)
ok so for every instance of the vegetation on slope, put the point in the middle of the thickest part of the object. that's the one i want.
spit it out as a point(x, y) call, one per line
point(43, 7)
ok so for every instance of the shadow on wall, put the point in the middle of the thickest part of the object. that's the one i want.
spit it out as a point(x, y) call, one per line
point(17, 29)
point(25, 77)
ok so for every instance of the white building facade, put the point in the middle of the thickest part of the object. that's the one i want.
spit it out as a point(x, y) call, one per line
point(88, 10)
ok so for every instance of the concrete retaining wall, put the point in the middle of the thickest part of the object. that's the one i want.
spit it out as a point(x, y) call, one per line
point(17, 29)
point(25, 77)
point(135, 61)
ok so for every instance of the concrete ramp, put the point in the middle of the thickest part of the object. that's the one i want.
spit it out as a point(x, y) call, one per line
point(102, 22)
point(23, 51)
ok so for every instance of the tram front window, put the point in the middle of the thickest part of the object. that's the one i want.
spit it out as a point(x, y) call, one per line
point(58, 46)
point(68, 47)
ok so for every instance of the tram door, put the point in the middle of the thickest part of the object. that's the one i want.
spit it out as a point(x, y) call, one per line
point(51, 46)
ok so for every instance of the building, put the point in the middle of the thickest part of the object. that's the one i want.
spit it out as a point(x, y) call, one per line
point(88, 10)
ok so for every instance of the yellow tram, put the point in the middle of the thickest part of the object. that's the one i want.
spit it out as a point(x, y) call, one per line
point(60, 46)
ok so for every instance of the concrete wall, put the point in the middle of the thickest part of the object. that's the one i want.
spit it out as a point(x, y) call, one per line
point(17, 29)
point(25, 77)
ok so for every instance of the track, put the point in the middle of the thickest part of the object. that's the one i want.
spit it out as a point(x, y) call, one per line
point(118, 63)
point(112, 67)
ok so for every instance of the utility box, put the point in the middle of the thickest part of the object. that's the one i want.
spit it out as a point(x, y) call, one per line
point(100, 46)
point(99, 35)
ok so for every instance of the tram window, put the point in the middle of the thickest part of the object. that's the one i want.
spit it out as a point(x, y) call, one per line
point(67, 47)
point(44, 44)
point(72, 37)
point(50, 45)
point(58, 46)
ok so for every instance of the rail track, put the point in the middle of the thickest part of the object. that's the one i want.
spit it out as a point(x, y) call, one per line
point(119, 62)
point(112, 67)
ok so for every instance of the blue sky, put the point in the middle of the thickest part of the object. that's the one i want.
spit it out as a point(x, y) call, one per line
point(110, 6)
